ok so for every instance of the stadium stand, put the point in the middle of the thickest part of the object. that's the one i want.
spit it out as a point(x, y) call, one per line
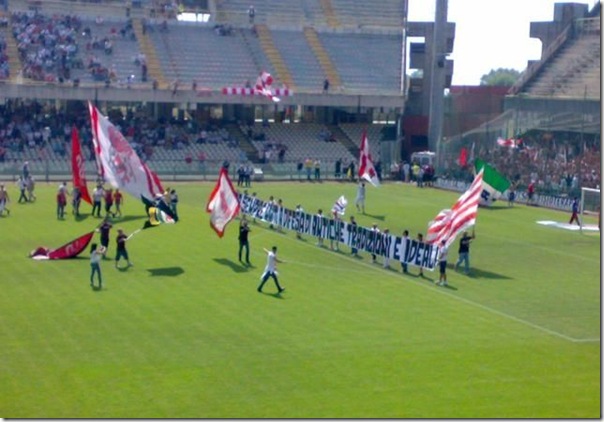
point(301, 43)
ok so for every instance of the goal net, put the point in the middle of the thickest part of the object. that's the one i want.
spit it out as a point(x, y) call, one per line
point(590, 207)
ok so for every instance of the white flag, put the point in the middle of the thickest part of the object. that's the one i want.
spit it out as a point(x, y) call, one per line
point(223, 204)
point(117, 161)
point(340, 206)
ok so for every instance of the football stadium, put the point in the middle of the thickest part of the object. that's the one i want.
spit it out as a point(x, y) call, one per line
point(224, 209)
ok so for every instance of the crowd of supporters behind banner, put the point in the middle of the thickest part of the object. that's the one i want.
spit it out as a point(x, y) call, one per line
point(558, 164)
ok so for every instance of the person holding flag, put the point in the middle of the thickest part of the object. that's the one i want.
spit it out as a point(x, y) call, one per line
point(360, 199)
point(244, 231)
point(464, 251)
point(121, 248)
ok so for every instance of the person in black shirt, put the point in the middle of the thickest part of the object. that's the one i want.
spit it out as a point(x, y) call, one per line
point(464, 251)
point(244, 242)
point(104, 230)
point(121, 248)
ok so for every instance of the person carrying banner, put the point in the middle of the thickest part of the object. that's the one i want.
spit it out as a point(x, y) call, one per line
point(374, 232)
point(353, 230)
point(244, 231)
point(420, 239)
point(443, 251)
point(319, 218)
point(121, 248)
point(405, 241)
point(386, 260)
point(271, 269)
point(95, 264)
point(299, 212)
point(464, 251)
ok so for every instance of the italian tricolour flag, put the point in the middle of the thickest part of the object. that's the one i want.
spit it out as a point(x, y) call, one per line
point(494, 184)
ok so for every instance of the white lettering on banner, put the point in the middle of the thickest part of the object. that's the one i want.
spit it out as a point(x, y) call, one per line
point(410, 251)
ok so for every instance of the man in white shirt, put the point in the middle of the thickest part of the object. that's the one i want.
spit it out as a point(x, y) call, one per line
point(360, 199)
point(271, 269)
point(443, 251)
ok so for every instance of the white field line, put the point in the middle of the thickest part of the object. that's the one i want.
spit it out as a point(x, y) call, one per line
point(426, 286)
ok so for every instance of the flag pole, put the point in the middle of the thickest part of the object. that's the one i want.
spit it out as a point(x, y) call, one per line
point(133, 233)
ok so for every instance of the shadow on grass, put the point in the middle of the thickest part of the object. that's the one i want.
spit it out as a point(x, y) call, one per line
point(376, 217)
point(128, 218)
point(498, 208)
point(489, 275)
point(82, 217)
point(236, 267)
point(275, 295)
point(167, 271)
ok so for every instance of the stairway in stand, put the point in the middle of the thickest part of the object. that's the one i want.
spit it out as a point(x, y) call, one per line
point(147, 48)
point(345, 140)
point(323, 57)
point(14, 62)
point(329, 13)
point(268, 45)
point(244, 144)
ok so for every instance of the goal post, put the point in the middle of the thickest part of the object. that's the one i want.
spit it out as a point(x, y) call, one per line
point(590, 205)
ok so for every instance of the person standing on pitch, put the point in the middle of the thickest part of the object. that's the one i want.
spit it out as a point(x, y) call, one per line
point(420, 239)
point(243, 241)
point(405, 240)
point(464, 251)
point(95, 264)
point(360, 199)
point(104, 230)
point(443, 251)
point(575, 212)
point(121, 248)
point(271, 269)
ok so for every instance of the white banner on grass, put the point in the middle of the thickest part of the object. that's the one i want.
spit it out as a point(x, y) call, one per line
point(410, 251)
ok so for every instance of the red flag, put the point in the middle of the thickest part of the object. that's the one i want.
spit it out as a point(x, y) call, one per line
point(449, 223)
point(69, 250)
point(77, 166)
point(223, 204)
point(463, 157)
point(366, 169)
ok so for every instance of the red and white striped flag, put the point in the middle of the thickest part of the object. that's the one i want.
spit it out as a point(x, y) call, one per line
point(223, 204)
point(366, 168)
point(508, 143)
point(450, 222)
point(263, 86)
point(240, 90)
point(78, 169)
point(118, 163)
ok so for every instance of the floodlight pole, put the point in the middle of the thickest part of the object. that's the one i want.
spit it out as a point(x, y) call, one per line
point(437, 81)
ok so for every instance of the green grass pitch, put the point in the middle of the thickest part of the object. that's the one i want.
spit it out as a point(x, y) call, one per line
point(184, 334)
